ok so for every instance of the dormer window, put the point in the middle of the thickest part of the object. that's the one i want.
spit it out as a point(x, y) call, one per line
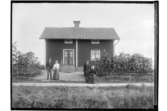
point(68, 42)
point(95, 42)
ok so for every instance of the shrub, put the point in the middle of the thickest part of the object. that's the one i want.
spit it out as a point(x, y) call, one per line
point(123, 63)
point(24, 64)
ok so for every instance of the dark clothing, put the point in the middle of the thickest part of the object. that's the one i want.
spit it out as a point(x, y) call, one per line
point(49, 74)
point(86, 71)
point(48, 66)
point(49, 71)
point(93, 71)
point(89, 73)
point(91, 76)
point(86, 68)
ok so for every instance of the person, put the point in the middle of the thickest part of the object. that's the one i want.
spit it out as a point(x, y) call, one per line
point(92, 74)
point(56, 67)
point(86, 70)
point(48, 69)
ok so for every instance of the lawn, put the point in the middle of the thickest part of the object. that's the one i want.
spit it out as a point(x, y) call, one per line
point(82, 97)
point(112, 78)
point(125, 77)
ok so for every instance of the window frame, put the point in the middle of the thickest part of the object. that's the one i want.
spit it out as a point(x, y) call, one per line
point(95, 54)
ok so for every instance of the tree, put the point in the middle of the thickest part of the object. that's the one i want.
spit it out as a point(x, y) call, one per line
point(24, 63)
point(15, 58)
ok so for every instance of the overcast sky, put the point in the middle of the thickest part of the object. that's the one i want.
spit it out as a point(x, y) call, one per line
point(134, 24)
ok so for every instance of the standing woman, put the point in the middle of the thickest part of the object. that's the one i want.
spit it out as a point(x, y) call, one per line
point(92, 74)
point(86, 70)
point(56, 67)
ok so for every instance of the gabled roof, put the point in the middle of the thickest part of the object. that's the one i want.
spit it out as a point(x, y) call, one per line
point(79, 33)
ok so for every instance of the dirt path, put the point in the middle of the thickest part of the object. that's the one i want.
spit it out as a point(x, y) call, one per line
point(74, 76)
point(84, 84)
point(42, 76)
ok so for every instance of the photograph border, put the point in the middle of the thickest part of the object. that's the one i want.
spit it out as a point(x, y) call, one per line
point(156, 48)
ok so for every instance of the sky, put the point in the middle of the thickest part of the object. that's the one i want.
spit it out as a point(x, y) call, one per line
point(134, 23)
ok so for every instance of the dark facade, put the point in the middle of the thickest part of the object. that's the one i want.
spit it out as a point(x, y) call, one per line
point(54, 50)
point(85, 47)
point(75, 45)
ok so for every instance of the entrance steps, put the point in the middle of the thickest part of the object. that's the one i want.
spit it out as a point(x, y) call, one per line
point(74, 76)
point(71, 73)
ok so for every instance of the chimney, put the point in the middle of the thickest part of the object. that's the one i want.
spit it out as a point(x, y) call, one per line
point(76, 23)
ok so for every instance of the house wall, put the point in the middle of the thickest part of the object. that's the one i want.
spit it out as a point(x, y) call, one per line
point(85, 46)
point(54, 49)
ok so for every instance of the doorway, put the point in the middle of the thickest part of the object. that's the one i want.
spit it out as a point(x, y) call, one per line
point(68, 56)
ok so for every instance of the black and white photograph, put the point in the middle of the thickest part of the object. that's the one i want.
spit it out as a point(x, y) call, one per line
point(84, 55)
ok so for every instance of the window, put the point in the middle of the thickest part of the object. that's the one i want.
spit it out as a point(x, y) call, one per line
point(95, 42)
point(68, 56)
point(95, 54)
point(68, 42)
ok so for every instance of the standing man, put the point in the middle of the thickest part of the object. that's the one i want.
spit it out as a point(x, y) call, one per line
point(49, 69)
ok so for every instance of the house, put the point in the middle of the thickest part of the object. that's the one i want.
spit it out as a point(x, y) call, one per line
point(75, 45)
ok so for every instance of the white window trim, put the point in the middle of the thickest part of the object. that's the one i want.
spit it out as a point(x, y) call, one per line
point(95, 42)
point(68, 41)
point(73, 55)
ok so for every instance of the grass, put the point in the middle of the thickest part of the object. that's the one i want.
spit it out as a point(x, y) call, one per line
point(24, 77)
point(85, 97)
point(125, 77)
point(112, 78)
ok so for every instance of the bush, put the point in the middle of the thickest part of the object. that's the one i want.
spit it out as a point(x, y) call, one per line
point(123, 63)
point(24, 64)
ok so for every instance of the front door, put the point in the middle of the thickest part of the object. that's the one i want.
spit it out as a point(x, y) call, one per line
point(68, 56)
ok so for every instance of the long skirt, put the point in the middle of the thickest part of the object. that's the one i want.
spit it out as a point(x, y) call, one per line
point(56, 75)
